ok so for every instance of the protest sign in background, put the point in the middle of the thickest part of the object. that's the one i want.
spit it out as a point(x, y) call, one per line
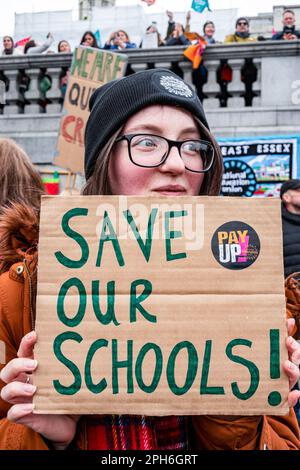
point(90, 69)
point(259, 165)
point(160, 307)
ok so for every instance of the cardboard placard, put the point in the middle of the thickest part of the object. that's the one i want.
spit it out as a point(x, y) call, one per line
point(149, 41)
point(2, 352)
point(90, 69)
point(158, 306)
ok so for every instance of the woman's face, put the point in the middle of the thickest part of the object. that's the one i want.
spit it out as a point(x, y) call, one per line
point(64, 47)
point(88, 40)
point(7, 43)
point(209, 30)
point(179, 28)
point(169, 179)
point(122, 36)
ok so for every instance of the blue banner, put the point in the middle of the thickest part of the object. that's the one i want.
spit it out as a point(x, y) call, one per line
point(200, 5)
point(98, 37)
point(257, 166)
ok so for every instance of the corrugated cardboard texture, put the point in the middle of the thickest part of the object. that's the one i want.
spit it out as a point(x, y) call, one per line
point(2, 353)
point(203, 343)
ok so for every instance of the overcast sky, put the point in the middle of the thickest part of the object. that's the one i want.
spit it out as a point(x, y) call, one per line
point(251, 7)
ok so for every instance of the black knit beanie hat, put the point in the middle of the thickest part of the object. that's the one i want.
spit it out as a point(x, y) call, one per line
point(242, 18)
point(113, 103)
point(290, 184)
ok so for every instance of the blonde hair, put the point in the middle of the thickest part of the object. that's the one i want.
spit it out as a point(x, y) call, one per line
point(19, 179)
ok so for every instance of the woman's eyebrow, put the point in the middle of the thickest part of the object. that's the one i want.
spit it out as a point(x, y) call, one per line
point(144, 127)
point(157, 129)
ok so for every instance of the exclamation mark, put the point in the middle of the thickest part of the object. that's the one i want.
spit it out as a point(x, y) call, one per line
point(274, 398)
point(244, 250)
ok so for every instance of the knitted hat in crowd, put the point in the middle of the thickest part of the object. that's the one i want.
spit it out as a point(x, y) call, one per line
point(242, 18)
point(290, 184)
point(113, 103)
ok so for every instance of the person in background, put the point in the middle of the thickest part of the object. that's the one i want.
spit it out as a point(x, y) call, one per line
point(119, 40)
point(172, 26)
point(32, 47)
point(153, 29)
point(19, 179)
point(9, 47)
point(208, 29)
point(89, 40)
point(177, 37)
point(290, 197)
point(208, 32)
point(290, 213)
point(45, 81)
point(146, 135)
point(64, 47)
point(242, 32)
point(289, 32)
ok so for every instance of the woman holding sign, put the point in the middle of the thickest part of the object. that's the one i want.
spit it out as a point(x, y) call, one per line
point(147, 135)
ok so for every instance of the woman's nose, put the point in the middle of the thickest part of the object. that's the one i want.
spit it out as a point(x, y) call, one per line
point(173, 163)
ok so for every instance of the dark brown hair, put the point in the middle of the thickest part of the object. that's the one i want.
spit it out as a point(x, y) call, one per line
point(28, 45)
point(19, 179)
point(98, 183)
point(90, 33)
point(206, 24)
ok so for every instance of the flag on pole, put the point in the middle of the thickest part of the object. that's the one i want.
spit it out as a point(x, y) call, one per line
point(200, 5)
point(22, 42)
point(98, 37)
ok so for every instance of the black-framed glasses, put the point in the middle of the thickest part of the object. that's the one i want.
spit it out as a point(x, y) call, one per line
point(243, 23)
point(150, 151)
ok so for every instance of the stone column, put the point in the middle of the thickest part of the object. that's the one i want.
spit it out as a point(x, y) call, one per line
point(12, 95)
point(33, 95)
point(54, 94)
point(211, 88)
point(236, 86)
point(186, 67)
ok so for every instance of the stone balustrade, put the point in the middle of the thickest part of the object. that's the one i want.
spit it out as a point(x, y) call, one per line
point(234, 76)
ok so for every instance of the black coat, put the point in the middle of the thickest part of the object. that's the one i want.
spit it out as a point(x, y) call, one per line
point(291, 241)
point(279, 36)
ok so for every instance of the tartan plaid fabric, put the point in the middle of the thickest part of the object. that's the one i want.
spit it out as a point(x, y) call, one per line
point(114, 432)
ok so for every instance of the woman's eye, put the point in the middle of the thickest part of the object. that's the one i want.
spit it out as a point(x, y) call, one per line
point(146, 143)
point(191, 147)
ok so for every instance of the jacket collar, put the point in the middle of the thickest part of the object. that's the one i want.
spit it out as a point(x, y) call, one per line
point(19, 230)
point(293, 218)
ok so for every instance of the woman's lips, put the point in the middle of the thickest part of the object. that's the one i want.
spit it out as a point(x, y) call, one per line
point(171, 190)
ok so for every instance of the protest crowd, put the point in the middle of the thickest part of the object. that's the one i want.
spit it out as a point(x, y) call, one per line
point(176, 34)
point(153, 142)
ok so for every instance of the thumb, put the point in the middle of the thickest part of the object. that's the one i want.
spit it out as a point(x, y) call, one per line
point(27, 345)
point(290, 322)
